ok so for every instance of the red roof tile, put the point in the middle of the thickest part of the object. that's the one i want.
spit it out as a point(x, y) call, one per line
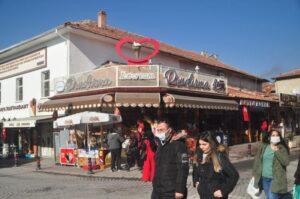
point(289, 74)
point(115, 33)
point(246, 94)
point(268, 88)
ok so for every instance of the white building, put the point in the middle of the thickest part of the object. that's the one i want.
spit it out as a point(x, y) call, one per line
point(27, 71)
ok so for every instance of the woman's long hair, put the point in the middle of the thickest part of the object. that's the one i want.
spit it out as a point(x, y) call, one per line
point(282, 142)
point(208, 137)
point(149, 135)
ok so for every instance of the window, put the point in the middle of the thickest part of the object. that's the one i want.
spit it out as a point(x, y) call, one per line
point(19, 89)
point(45, 84)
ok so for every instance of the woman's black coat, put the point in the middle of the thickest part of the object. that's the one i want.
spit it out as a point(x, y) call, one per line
point(211, 181)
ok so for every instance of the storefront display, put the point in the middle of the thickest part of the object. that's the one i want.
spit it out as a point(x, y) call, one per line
point(80, 138)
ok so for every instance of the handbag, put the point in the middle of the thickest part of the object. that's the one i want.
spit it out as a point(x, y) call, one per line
point(253, 191)
point(296, 192)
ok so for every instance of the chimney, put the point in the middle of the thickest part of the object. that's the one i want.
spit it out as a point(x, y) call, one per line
point(101, 19)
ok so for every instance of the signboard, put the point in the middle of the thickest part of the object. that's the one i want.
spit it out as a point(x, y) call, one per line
point(254, 103)
point(137, 76)
point(29, 62)
point(141, 76)
point(19, 124)
point(188, 80)
point(92, 80)
point(67, 156)
point(11, 108)
point(289, 100)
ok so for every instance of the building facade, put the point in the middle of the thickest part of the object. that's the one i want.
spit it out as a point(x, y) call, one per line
point(287, 87)
point(33, 74)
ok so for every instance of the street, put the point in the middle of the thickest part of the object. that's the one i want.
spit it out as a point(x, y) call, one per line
point(25, 182)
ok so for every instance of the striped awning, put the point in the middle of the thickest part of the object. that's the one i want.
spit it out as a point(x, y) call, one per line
point(137, 99)
point(172, 100)
point(82, 102)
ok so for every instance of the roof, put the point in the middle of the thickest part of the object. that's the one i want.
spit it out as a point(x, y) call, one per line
point(246, 94)
point(268, 88)
point(118, 34)
point(289, 74)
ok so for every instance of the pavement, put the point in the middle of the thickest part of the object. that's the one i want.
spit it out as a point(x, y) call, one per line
point(54, 181)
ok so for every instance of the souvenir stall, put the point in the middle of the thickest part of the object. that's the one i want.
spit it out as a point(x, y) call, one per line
point(76, 142)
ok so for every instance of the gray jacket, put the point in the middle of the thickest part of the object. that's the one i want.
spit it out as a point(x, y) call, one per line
point(114, 141)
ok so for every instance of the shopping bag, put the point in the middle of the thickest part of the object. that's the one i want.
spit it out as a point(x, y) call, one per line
point(296, 192)
point(253, 191)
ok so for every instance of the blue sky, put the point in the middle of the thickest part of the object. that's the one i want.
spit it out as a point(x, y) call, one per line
point(258, 36)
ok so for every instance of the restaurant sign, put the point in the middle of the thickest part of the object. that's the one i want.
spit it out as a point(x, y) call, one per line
point(19, 124)
point(92, 80)
point(11, 108)
point(143, 75)
point(289, 100)
point(26, 63)
point(182, 79)
point(254, 103)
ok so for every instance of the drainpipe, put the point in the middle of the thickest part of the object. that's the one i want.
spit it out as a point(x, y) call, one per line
point(68, 50)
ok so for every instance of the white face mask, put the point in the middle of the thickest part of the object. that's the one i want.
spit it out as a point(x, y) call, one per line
point(275, 139)
point(161, 136)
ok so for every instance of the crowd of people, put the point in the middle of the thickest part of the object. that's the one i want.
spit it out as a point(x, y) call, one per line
point(164, 156)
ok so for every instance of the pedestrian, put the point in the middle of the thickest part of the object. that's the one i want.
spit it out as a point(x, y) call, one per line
point(139, 135)
point(172, 166)
point(114, 141)
point(269, 169)
point(126, 147)
point(213, 174)
point(148, 149)
point(297, 182)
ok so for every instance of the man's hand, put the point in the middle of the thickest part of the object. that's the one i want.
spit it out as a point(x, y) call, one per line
point(178, 195)
point(218, 194)
point(197, 184)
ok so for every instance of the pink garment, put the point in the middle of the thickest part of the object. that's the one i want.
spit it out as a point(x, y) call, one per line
point(149, 163)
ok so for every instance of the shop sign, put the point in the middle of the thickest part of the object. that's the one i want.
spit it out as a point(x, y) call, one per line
point(195, 81)
point(254, 103)
point(96, 79)
point(86, 82)
point(11, 108)
point(29, 62)
point(137, 76)
point(289, 100)
point(19, 124)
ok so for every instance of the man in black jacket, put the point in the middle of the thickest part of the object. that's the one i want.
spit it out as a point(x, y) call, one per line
point(172, 166)
point(114, 141)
